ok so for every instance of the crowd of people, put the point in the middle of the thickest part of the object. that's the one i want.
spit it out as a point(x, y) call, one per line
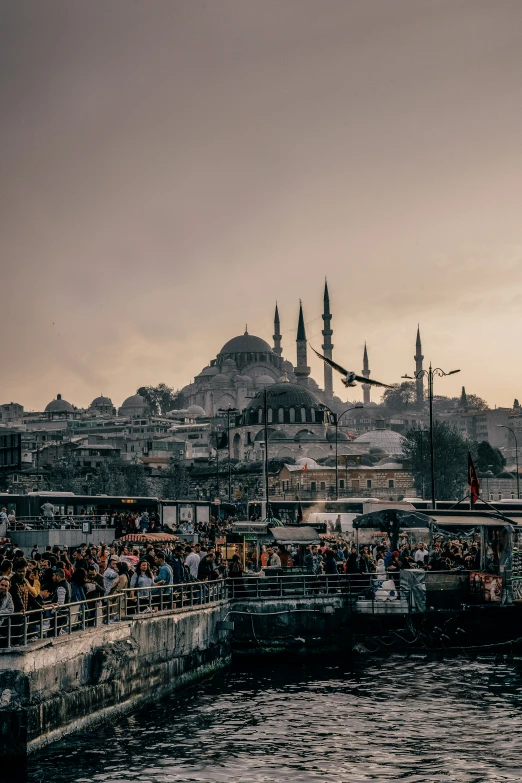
point(336, 555)
point(42, 585)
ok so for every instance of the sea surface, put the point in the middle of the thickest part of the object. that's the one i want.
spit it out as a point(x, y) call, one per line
point(407, 718)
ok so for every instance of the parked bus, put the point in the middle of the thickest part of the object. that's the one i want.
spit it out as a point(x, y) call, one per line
point(70, 508)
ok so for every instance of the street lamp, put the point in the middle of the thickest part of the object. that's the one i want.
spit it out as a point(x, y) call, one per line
point(228, 411)
point(336, 424)
point(430, 374)
point(505, 427)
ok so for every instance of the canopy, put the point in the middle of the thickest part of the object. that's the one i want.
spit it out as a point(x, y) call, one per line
point(150, 538)
point(470, 519)
point(295, 534)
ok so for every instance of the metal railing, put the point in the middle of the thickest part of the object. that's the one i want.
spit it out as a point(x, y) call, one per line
point(287, 585)
point(58, 522)
point(51, 621)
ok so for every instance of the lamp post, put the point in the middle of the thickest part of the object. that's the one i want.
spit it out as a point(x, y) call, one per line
point(228, 411)
point(430, 375)
point(505, 427)
point(336, 424)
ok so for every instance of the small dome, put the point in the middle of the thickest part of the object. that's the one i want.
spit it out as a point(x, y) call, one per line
point(229, 365)
point(260, 437)
point(264, 380)
point(59, 406)
point(388, 440)
point(388, 464)
point(101, 402)
point(330, 436)
point(245, 343)
point(135, 405)
point(246, 379)
point(278, 435)
point(196, 410)
point(220, 379)
point(209, 371)
point(308, 461)
point(303, 435)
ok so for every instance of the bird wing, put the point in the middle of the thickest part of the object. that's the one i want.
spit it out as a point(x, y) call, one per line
point(360, 379)
point(330, 362)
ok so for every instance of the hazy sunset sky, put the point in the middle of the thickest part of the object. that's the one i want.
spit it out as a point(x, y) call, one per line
point(169, 169)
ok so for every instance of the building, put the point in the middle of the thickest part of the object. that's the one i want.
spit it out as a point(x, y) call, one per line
point(307, 480)
point(11, 413)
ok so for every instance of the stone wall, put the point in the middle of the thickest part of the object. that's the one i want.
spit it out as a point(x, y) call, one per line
point(63, 685)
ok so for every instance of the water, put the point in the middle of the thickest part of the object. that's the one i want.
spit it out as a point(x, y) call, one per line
point(410, 719)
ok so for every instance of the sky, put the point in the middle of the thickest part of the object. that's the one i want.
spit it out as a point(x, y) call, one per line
point(171, 168)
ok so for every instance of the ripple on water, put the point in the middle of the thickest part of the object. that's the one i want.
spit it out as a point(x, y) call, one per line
point(408, 719)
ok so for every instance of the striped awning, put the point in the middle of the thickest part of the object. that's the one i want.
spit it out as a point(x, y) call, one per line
point(150, 538)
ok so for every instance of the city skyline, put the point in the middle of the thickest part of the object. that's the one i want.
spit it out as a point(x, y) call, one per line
point(170, 174)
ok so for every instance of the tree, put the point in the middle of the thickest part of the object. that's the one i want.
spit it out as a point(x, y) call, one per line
point(489, 458)
point(476, 403)
point(64, 475)
point(451, 460)
point(175, 485)
point(161, 398)
point(400, 395)
point(135, 479)
point(109, 478)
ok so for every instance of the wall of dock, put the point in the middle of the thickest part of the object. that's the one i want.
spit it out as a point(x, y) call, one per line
point(65, 684)
point(309, 625)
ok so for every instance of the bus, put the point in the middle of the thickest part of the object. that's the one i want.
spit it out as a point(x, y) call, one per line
point(324, 515)
point(70, 508)
point(67, 504)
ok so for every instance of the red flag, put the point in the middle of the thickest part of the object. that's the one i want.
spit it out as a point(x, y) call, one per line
point(304, 468)
point(473, 481)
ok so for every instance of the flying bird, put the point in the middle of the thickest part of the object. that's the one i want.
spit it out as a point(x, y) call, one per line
point(350, 378)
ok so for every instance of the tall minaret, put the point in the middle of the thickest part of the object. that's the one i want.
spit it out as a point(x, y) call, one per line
point(419, 383)
point(277, 334)
point(302, 371)
point(327, 344)
point(366, 374)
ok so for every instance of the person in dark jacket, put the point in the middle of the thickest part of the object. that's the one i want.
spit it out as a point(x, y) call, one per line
point(206, 567)
point(352, 561)
point(330, 562)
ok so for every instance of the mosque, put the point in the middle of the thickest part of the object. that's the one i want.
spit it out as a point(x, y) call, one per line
point(248, 364)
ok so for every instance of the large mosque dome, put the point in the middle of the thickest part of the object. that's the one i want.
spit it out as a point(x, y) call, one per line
point(245, 343)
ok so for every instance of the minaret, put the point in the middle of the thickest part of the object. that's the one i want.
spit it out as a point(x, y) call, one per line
point(366, 374)
point(302, 371)
point(419, 383)
point(327, 344)
point(277, 334)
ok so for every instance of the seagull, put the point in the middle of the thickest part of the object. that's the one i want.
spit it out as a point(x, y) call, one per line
point(350, 378)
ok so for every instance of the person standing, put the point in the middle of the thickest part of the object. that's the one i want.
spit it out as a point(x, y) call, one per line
point(192, 562)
